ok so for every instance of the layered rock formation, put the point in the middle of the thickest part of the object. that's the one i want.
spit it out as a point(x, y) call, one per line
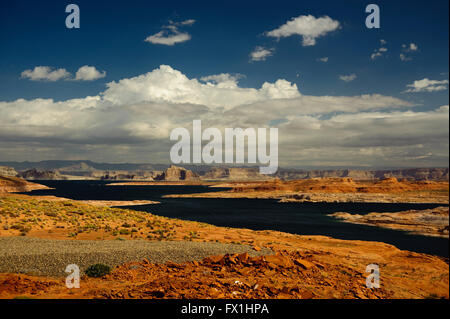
point(417, 174)
point(125, 175)
point(342, 185)
point(10, 184)
point(176, 173)
point(235, 174)
point(34, 174)
point(7, 171)
point(148, 172)
point(389, 190)
point(429, 222)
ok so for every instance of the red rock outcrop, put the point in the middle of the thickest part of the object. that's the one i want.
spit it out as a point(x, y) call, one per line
point(176, 173)
point(10, 184)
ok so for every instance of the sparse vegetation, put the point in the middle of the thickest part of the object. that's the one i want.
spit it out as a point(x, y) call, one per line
point(26, 214)
point(98, 270)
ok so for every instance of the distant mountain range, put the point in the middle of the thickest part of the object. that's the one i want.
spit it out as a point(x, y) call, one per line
point(63, 170)
point(80, 165)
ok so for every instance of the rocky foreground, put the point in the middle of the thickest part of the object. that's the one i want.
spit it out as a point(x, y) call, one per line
point(296, 267)
point(49, 257)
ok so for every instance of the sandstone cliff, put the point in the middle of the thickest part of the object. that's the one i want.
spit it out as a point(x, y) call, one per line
point(235, 174)
point(7, 171)
point(417, 174)
point(342, 185)
point(428, 222)
point(176, 173)
point(34, 174)
point(140, 175)
point(10, 184)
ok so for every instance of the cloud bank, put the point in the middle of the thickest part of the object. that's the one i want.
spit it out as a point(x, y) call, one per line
point(132, 118)
point(47, 73)
point(427, 85)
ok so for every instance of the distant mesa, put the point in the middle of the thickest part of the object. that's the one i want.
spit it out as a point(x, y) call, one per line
point(87, 170)
point(340, 185)
point(176, 173)
point(413, 174)
point(34, 174)
point(8, 171)
point(235, 174)
point(79, 167)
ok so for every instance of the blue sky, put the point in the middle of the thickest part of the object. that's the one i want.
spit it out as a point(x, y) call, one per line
point(112, 34)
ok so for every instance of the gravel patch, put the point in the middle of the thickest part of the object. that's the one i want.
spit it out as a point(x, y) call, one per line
point(50, 257)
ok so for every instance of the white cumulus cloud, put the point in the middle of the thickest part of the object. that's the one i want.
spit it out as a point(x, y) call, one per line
point(348, 78)
point(408, 49)
point(89, 73)
point(309, 27)
point(260, 54)
point(170, 34)
point(427, 85)
point(377, 53)
point(166, 84)
point(45, 73)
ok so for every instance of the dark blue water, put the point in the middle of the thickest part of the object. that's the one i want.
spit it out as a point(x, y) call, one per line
point(256, 214)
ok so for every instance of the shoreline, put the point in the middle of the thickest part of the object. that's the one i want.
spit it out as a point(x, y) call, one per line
point(332, 263)
point(428, 222)
point(320, 197)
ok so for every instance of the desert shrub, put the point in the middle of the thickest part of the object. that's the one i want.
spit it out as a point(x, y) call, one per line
point(21, 228)
point(51, 214)
point(98, 270)
point(124, 232)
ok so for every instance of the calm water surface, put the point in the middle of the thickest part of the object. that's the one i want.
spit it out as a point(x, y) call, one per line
point(256, 214)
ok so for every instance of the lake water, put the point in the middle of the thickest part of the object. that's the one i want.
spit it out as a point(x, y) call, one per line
point(256, 214)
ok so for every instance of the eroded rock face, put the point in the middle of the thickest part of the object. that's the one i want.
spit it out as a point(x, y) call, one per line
point(7, 171)
point(341, 185)
point(417, 174)
point(34, 174)
point(176, 173)
point(428, 222)
point(125, 175)
point(234, 173)
point(10, 184)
